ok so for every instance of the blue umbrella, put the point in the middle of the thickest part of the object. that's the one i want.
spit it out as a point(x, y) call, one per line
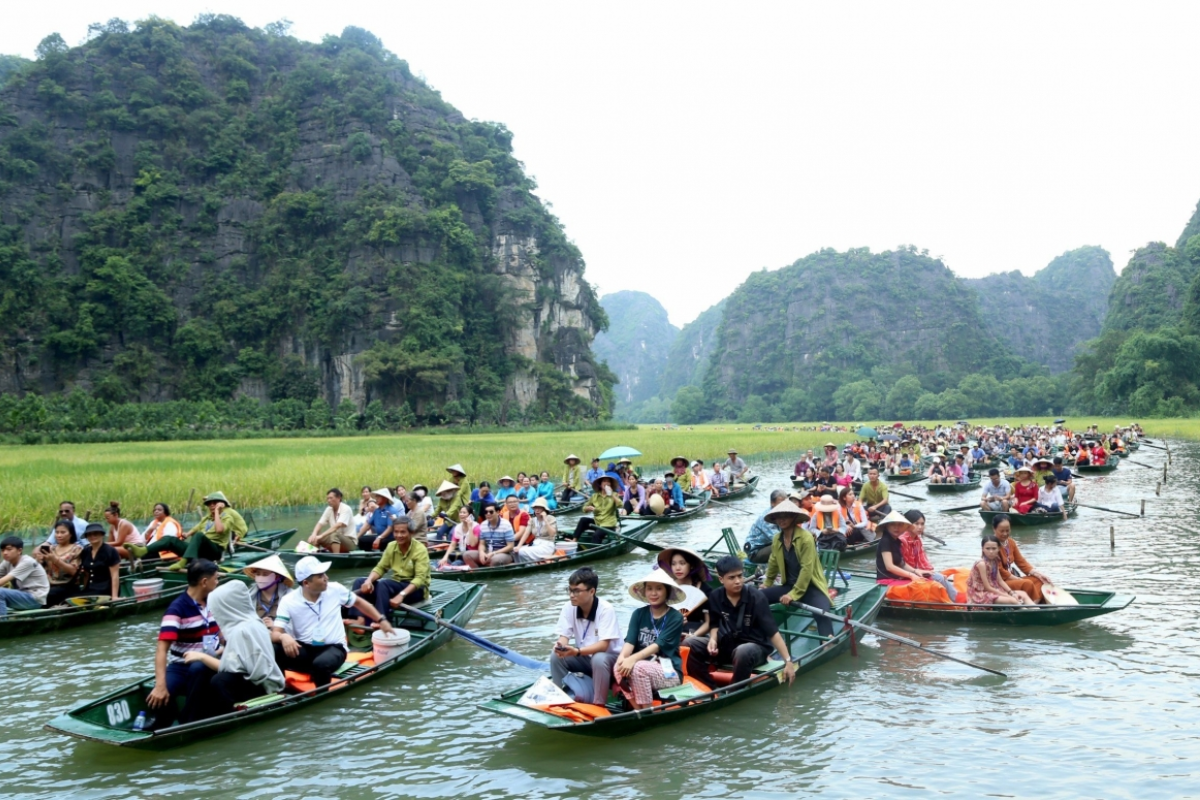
point(619, 452)
point(869, 433)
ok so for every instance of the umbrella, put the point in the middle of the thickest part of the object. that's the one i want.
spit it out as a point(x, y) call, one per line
point(619, 452)
point(897, 424)
point(1059, 421)
point(890, 437)
point(963, 422)
point(870, 433)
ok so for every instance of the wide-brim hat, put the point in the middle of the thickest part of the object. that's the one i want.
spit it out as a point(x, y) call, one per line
point(1045, 461)
point(309, 566)
point(272, 564)
point(94, 527)
point(731, 452)
point(608, 476)
point(216, 496)
point(679, 458)
point(830, 444)
point(508, 478)
point(447, 486)
point(457, 468)
point(894, 518)
point(625, 460)
point(1019, 470)
point(384, 492)
point(539, 503)
point(827, 504)
point(693, 558)
point(786, 507)
point(417, 486)
point(571, 458)
point(637, 589)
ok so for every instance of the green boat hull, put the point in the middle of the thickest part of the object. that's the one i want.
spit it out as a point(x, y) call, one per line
point(1031, 520)
point(92, 721)
point(666, 519)
point(745, 490)
point(1092, 603)
point(46, 620)
point(952, 488)
point(808, 651)
point(1091, 469)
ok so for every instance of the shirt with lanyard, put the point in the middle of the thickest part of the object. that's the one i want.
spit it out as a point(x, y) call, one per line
point(319, 622)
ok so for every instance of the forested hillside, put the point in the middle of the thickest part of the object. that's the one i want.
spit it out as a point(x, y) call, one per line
point(636, 344)
point(211, 212)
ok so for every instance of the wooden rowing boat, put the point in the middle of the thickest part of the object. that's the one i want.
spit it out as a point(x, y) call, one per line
point(1092, 603)
point(862, 600)
point(946, 488)
point(585, 553)
point(355, 559)
point(696, 505)
point(742, 490)
point(109, 720)
point(1031, 520)
point(1114, 461)
point(79, 611)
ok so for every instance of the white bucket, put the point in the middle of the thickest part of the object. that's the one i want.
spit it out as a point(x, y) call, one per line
point(147, 589)
point(385, 646)
point(567, 547)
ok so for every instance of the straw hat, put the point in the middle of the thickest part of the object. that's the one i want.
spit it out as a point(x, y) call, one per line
point(827, 504)
point(894, 518)
point(731, 452)
point(540, 503)
point(418, 486)
point(610, 476)
point(787, 507)
point(637, 589)
point(272, 564)
point(693, 559)
point(831, 444)
point(383, 493)
point(679, 458)
point(1021, 469)
point(446, 486)
point(457, 468)
point(571, 458)
point(624, 461)
point(508, 478)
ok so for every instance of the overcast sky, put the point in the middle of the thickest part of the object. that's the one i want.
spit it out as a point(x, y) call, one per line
point(684, 146)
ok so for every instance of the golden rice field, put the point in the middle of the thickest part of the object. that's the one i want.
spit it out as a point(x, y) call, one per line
point(269, 472)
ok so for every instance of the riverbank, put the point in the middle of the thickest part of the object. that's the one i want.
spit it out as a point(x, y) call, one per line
point(269, 472)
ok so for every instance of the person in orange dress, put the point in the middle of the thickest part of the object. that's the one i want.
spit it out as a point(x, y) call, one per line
point(1010, 557)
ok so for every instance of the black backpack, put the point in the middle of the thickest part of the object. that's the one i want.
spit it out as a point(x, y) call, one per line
point(831, 539)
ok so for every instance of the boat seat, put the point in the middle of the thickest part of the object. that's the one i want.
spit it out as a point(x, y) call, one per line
point(300, 682)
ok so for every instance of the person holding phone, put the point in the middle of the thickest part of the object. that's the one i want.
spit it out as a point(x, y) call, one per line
point(208, 540)
point(589, 638)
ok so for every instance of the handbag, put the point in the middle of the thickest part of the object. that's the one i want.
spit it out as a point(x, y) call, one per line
point(831, 539)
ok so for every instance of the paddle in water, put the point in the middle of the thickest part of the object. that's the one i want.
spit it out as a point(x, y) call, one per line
point(479, 641)
point(1109, 510)
point(959, 508)
point(894, 637)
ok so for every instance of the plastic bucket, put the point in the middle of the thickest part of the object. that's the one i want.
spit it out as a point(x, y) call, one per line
point(567, 547)
point(386, 646)
point(147, 589)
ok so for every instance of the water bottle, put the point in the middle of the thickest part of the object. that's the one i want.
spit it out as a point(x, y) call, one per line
point(139, 724)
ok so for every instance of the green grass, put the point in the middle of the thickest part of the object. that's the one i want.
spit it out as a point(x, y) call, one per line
point(271, 472)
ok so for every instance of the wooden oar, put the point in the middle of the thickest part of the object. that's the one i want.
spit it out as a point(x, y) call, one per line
point(479, 641)
point(1156, 447)
point(1140, 464)
point(884, 634)
point(1109, 510)
point(929, 535)
point(902, 494)
point(732, 508)
point(960, 508)
point(652, 548)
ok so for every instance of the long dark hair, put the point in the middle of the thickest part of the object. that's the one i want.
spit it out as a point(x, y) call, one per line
point(997, 521)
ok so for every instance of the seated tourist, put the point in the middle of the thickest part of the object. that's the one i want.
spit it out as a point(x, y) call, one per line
point(572, 482)
point(589, 637)
point(672, 492)
point(496, 541)
point(163, 524)
point(604, 507)
point(1015, 571)
point(1064, 479)
point(121, 532)
point(100, 563)
point(858, 525)
point(649, 659)
point(827, 513)
point(207, 540)
point(912, 550)
point(517, 517)
point(890, 569)
point(1049, 500)
point(795, 562)
point(689, 569)
point(1025, 491)
point(309, 635)
point(699, 478)
point(187, 627)
point(633, 500)
point(507, 486)
point(246, 666)
point(744, 631)
point(984, 586)
point(720, 486)
point(545, 490)
point(543, 530)
point(937, 472)
point(874, 496)
point(482, 494)
point(997, 493)
point(449, 501)
point(23, 583)
point(272, 582)
point(401, 576)
point(758, 544)
point(464, 537)
point(334, 530)
point(61, 562)
point(526, 491)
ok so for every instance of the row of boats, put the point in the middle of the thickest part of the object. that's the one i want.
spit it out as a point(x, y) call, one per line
point(454, 598)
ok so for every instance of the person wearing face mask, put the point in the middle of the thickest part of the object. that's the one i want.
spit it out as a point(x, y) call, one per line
point(604, 506)
point(271, 582)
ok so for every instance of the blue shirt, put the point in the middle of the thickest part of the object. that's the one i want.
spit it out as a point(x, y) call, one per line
point(676, 495)
point(761, 534)
point(380, 519)
point(498, 537)
point(594, 475)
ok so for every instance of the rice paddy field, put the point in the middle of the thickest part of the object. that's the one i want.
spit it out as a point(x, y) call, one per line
point(286, 472)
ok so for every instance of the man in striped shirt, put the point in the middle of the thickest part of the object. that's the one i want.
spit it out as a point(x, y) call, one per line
point(188, 631)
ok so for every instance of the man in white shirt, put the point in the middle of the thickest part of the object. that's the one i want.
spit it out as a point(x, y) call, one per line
point(592, 624)
point(338, 523)
point(738, 469)
point(23, 582)
point(309, 635)
point(853, 466)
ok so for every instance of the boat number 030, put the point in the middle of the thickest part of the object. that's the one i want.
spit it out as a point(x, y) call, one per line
point(118, 712)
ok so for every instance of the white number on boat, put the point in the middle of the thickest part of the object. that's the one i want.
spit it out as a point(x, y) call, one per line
point(118, 712)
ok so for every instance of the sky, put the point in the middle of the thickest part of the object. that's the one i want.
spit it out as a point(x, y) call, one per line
point(686, 145)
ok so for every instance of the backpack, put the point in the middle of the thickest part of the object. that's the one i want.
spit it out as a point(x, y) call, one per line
point(831, 539)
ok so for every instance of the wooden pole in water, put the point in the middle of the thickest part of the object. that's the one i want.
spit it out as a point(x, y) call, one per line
point(1158, 489)
point(1143, 506)
point(1112, 537)
point(1164, 480)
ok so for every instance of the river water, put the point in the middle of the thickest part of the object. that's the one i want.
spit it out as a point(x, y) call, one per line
point(1104, 708)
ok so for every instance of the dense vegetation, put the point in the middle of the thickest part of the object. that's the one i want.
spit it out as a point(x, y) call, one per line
point(199, 213)
point(636, 345)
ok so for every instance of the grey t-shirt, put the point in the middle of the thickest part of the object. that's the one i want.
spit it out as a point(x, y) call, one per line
point(28, 576)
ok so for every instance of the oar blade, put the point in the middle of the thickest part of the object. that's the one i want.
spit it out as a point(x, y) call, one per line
point(508, 655)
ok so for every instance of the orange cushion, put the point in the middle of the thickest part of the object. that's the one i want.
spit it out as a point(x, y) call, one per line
point(721, 677)
point(700, 687)
point(298, 681)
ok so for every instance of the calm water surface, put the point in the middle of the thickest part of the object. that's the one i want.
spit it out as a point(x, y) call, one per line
point(1105, 708)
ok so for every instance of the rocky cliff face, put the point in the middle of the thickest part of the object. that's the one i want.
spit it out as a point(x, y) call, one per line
point(636, 345)
point(690, 354)
point(1046, 317)
point(203, 211)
